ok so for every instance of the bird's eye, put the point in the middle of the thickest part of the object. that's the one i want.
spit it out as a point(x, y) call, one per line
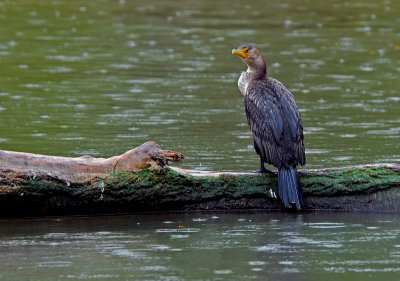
point(246, 50)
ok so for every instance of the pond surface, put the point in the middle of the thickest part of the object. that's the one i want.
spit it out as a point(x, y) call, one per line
point(218, 246)
point(101, 77)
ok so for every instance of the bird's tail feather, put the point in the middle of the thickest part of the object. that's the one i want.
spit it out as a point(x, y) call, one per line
point(289, 187)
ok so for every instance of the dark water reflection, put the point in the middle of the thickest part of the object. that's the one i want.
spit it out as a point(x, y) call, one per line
point(101, 77)
point(219, 246)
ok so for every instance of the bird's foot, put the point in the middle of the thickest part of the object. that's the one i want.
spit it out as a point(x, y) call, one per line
point(264, 171)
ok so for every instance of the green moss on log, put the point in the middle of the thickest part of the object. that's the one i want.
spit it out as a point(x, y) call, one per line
point(165, 190)
point(169, 186)
point(350, 182)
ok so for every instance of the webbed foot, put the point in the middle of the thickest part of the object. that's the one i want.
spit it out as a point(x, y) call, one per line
point(264, 171)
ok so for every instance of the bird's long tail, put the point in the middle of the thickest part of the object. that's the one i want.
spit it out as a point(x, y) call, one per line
point(289, 187)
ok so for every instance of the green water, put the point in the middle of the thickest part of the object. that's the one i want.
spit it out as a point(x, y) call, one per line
point(102, 77)
point(219, 246)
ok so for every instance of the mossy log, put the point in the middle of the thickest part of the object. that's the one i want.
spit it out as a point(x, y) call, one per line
point(140, 181)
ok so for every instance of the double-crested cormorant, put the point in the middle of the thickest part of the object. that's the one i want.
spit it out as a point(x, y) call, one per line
point(275, 122)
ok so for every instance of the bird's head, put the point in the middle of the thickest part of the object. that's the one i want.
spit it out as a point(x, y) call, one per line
point(252, 57)
point(246, 52)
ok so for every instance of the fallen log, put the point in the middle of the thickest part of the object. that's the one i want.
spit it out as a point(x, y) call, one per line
point(86, 168)
point(140, 180)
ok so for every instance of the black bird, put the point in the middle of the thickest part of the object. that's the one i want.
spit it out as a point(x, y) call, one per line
point(275, 122)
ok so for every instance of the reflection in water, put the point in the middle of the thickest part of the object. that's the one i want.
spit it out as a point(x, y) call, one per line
point(236, 246)
point(106, 76)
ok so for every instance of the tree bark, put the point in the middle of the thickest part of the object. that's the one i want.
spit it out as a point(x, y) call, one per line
point(140, 180)
point(86, 168)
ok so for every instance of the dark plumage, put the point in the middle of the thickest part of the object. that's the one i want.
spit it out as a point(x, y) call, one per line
point(275, 122)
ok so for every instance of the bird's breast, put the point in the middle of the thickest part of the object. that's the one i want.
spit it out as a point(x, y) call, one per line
point(243, 82)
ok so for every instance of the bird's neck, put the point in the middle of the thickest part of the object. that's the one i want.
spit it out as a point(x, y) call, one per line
point(257, 69)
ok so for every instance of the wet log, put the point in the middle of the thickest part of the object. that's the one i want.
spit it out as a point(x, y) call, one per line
point(85, 169)
point(371, 187)
point(140, 181)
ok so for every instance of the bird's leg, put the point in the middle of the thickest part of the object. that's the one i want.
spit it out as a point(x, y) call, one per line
point(263, 170)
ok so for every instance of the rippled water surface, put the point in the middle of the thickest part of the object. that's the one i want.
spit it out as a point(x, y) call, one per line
point(101, 77)
point(219, 246)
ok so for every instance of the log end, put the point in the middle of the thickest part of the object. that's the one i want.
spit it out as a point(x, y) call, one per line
point(148, 155)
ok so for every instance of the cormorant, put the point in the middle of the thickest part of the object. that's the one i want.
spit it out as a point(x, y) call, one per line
point(275, 122)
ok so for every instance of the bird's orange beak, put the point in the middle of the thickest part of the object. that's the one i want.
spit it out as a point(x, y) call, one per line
point(243, 53)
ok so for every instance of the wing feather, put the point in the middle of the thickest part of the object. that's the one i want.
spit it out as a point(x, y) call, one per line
point(275, 122)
